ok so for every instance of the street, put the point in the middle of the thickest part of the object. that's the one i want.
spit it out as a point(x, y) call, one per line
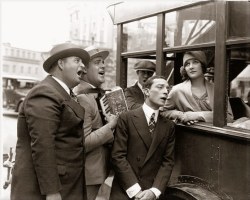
point(9, 125)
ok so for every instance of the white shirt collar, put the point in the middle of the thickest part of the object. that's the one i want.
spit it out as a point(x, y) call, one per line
point(90, 85)
point(149, 111)
point(62, 84)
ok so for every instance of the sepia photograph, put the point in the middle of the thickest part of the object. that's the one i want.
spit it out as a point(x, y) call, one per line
point(125, 99)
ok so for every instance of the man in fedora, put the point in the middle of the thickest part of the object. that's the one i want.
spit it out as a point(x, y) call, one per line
point(98, 132)
point(49, 162)
point(134, 94)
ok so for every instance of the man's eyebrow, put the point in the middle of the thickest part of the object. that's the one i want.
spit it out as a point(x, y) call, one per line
point(160, 84)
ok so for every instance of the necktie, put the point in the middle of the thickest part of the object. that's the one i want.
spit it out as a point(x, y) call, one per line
point(73, 96)
point(99, 96)
point(151, 124)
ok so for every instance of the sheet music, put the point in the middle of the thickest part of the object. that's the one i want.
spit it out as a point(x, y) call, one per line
point(114, 101)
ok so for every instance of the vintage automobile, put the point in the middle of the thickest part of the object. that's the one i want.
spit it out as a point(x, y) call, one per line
point(15, 88)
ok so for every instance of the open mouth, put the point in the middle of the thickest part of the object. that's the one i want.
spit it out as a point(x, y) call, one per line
point(102, 73)
point(164, 98)
point(80, 73)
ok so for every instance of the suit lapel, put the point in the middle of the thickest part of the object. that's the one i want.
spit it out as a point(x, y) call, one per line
point(138, 91)
point(187, 87)
point(141, 126)
point(77, 108)
point(158, 135)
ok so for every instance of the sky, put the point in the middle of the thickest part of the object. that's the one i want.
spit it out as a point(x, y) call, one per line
point(35, 24)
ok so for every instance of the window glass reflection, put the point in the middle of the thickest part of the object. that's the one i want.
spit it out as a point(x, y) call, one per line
point(239, 77)
point(140, 35)
point(239, 19)
point(194, 25)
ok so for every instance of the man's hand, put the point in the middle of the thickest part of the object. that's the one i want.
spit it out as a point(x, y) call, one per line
point(145, 195)
point(112, 120)
point(55, 196)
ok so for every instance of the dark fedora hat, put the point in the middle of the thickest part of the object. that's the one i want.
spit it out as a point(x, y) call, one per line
point(95, 52)
point(65, 50)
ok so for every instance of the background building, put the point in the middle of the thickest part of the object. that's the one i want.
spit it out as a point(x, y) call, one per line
point(22, 62)
point(90, 25)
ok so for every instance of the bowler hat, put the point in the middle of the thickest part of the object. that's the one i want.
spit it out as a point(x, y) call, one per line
point(198, 55)
point(145, 66)
point(95, 52)
point(65, 50)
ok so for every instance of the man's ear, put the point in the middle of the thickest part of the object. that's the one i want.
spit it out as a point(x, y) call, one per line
point(146, 92)
point(84, 69)
point(60, 64)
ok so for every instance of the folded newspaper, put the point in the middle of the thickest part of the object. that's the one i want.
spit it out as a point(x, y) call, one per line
point(114, 102)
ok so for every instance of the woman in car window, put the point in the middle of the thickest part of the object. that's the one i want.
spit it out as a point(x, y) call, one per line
point(192, 100)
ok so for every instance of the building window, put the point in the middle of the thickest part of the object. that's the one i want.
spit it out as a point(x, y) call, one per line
point(14, 69)
point(36, 70)
point(17, 53)
point(6, 51)
point(34, 56)
point(5, 68)
point(23, 54)
point(12, 52)
point(77, 15)
point(29, 70)
point(28, 54)
point(21, 70)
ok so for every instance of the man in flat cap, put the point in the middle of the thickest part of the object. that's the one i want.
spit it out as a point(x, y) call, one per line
point(134, 94)
point(98, 129)
point(49, 162)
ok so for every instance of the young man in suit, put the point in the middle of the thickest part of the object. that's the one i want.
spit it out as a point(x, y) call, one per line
point(143, 149)
point(98, 132)
point(49, 162)
point(134, 94)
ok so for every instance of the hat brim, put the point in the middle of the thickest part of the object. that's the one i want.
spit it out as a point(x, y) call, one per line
point(151, 70)
point(103, 54)
point(78, 52)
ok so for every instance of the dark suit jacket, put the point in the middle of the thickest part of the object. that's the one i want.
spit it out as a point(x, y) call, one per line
point(139, 159)
point(134, 96)
point(49, 151)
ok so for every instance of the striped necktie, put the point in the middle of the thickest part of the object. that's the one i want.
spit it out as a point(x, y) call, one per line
point(151, 124)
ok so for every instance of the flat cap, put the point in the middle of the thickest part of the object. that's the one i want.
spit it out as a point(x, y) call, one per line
point(145, 66)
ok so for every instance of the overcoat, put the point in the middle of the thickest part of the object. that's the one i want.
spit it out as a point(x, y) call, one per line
point(50, 146)
point(139, 158)
point(134, 96)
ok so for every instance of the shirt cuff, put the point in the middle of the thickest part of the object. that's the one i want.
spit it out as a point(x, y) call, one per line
point(133, 190)
point(156, 192)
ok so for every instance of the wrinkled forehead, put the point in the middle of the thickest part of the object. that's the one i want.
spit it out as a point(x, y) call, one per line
point(160, 81)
